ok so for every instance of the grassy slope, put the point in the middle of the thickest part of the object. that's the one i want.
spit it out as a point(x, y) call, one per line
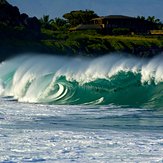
point(91, 43)
point(16, 40)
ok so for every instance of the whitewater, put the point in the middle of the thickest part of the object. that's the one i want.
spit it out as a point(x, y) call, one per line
point(64, 109)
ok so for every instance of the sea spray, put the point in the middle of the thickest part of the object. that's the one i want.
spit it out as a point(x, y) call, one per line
point(109, 79)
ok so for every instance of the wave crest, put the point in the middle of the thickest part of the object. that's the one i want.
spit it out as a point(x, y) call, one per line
point(110, 79)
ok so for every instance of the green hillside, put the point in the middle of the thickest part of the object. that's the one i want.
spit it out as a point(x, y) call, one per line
point(87, 43)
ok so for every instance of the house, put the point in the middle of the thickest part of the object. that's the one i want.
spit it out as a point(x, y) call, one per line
point(135, 25)
point(106, 24)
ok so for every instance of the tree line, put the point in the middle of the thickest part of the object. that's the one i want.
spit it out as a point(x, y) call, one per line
point(151, 19)
point(72, 19)
point(75, 18)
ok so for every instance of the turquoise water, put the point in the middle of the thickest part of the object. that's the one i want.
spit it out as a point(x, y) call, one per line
point(59, 109)
point(72, 81)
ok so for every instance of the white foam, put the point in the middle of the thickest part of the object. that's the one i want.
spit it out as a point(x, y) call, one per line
point(52, 133)
point(29, 70)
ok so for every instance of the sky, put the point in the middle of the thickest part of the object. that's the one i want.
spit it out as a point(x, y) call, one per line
point(56, 8)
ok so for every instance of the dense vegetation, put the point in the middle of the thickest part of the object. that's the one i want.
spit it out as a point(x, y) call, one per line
point(85, 43)
point(151, 19)
point(90, 43)
point(121, 31)
point(55, 38)
point(75, 18)
point(14, 40)
point(72, 19)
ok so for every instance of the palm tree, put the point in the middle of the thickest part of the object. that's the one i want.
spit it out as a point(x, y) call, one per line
point(45, 22)
point(152, 19)
point(59, 23)
point(149, 19)
point(142, 17)
point(138, 17)
point(157, 21)
point(160, 25)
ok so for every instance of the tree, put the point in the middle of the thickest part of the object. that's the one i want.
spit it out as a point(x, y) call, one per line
point(151, 19)
point(142, 17)
point(75, 18)
point(138, 17)
point(160, 26)
point(157, 21)
point(121, 31)
point(59, 24)
point(45, 22)
point(3, 2)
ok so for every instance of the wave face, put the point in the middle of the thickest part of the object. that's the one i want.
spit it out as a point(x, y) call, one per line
point(110, 79)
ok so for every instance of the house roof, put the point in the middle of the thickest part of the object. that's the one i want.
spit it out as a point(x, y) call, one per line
point(114, 17)
point(86, 26)
point(121, 17)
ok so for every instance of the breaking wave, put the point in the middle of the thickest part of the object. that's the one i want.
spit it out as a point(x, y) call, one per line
point(110, 79)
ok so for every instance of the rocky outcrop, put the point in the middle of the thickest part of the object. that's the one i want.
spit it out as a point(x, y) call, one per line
point(11, 16)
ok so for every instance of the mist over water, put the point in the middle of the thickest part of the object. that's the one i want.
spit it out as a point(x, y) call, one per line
point(109, 79)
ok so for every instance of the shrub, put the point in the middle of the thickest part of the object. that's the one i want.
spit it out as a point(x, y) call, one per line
point(121, 31)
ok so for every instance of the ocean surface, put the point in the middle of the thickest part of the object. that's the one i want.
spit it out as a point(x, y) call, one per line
point(60, 109)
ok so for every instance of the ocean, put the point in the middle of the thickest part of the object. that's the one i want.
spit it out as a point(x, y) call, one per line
point(62, 109)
